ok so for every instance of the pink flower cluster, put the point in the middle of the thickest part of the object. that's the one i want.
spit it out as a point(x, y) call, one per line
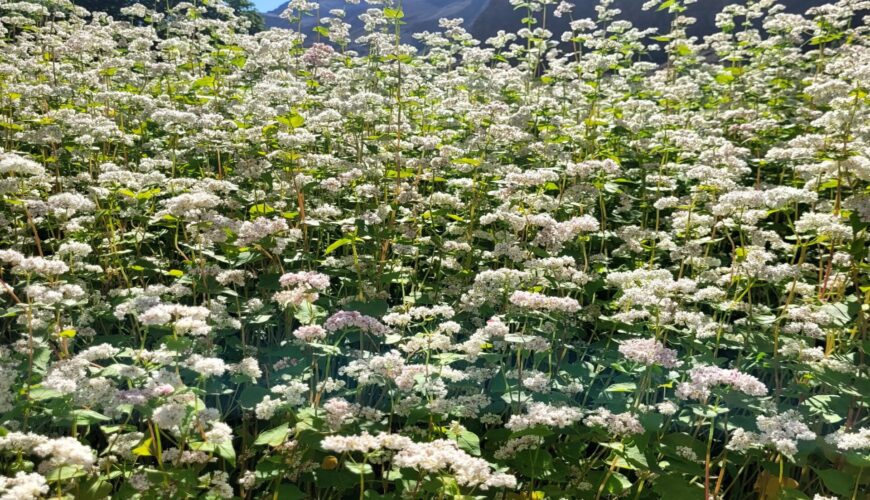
point(649, 352)
point(354, 319)
point(703, 378)
point(307, 279)
point(302, 287)
point(310, 333)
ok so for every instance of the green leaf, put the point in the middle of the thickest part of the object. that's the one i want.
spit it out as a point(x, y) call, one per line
point(683, 49)
point(259, 210)
point(293, 120)
point(614, 483)
point(252, 395)
point(858, 458)
point(226, 451)
point(308, 314)
point(622, 387)
point(88, 417)
point(468, 161)
point(534, 463)
point(287, 491)
point(467, 441)
point(394, 13)
point(839, 313)
point(144, 449)
point(206, 81)
point(336, 245)
point(40, 394)
point(818, 40)
point(359, 469)
point(274, 436)
point(64, 473)
point(146, 195)
point(837, 481)
point(94, 489)
point(832, 408)
point(676, 486)
point(724, 78)
point(68, 333)
point(632, 458)
point(791, 494)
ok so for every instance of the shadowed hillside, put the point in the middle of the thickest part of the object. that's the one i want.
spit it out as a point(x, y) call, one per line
point(499, 14)
point(483, 18)
point(420, 15)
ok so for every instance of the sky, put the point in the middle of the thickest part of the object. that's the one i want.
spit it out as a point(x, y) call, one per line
point(267, 5)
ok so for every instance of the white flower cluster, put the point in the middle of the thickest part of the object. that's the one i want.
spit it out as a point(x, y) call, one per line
point(847, 441)
point(616, 424)
point(444, 455)
point(542, 414)
point(310, 333)
point(354, 319)
point(649, 352)
point(55, 452)
point(476, 267)
point(260, 228)
point(537, 301)
point(23, 486)
point(781, 432)
point(183, 319)
point(303, 287)
point(703, 378)
point(435, 457)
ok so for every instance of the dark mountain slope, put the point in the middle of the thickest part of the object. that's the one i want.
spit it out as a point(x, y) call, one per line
point(420, 15)
point(500, 15)
point(484, 18)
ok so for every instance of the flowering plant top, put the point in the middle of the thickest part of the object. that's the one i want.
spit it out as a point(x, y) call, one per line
point(537, 266)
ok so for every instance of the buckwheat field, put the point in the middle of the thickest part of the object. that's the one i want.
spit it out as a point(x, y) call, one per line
point(607, 263)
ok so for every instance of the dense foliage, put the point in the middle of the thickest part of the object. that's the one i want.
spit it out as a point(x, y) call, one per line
point(242, 8)
point(267, 266)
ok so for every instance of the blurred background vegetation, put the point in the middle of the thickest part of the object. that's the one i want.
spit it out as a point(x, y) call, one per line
point(113, 8)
